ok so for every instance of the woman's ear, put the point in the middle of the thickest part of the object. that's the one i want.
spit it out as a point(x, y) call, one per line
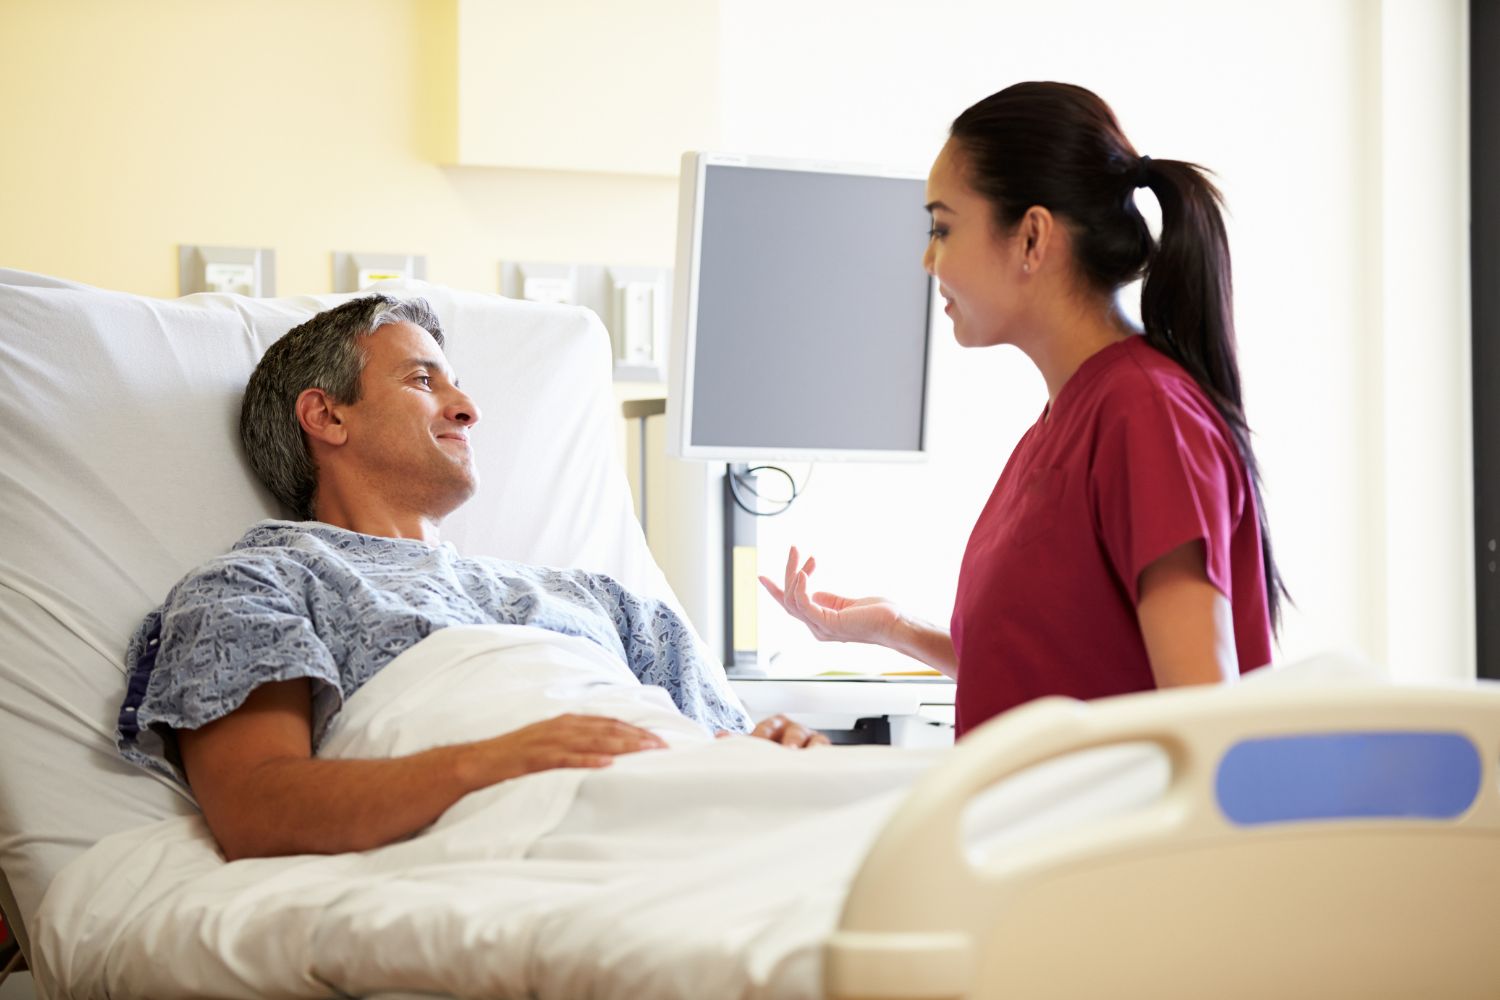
point(1035, 232)
point(319, 417)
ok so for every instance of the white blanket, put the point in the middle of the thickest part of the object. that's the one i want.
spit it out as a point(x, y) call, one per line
point(713, 868)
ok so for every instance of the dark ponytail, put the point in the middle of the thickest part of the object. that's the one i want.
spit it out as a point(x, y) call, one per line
point(1059, 146)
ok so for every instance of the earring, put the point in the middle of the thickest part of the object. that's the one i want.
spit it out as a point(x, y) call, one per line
point(1026, 266)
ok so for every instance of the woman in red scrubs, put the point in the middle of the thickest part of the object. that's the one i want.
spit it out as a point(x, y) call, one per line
point(1125, 545)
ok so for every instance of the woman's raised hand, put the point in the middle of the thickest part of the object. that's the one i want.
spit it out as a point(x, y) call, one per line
point(829, 617)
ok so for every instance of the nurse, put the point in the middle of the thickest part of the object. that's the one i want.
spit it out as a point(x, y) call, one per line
point(1125, 546)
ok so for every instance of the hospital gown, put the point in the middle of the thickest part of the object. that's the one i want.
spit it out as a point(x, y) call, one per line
point(307, 599)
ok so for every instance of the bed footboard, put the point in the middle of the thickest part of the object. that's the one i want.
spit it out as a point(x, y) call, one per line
point(1312, 840)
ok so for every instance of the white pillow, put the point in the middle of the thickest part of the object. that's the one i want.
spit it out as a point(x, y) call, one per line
point(121, 469)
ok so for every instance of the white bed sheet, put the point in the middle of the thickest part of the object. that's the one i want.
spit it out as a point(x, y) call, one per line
point(714, 868)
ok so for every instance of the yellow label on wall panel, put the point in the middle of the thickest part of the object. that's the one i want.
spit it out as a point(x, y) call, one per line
point(743, 580)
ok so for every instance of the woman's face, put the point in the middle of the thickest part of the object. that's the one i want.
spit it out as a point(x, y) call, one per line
point(978, 270)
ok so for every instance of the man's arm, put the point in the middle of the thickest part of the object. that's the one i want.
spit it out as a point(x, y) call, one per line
point(263, 793)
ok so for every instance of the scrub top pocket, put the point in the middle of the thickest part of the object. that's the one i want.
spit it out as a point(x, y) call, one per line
point(1036, 515)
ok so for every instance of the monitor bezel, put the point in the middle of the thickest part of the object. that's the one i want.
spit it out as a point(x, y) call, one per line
point(681, 355)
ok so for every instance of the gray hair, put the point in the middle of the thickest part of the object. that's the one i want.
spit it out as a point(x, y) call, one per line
point(322, 353)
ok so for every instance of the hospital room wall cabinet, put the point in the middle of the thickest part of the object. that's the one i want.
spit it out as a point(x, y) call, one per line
point(582, 85)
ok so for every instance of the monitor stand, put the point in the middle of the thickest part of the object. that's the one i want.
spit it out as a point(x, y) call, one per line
point(741, 656)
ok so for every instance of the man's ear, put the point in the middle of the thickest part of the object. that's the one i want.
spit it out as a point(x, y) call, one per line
point(319, 416)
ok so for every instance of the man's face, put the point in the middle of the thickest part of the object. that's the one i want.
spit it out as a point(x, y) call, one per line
point(409, 433)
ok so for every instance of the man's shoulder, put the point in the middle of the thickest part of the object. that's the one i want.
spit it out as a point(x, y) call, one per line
point(268, 549)
point(272, 536)
point(304, 542)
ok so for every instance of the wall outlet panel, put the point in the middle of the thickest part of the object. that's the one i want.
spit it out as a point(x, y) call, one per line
point(633, 303)
point(354, 272)
point(238, 270)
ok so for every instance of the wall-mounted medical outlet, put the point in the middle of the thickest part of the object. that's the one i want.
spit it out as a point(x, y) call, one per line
point(639, 307)
point(354, 272)
point(240, 270)
point(634, 303)
point(542, 282)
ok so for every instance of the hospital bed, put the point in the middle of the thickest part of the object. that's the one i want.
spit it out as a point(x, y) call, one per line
point(1313, 832)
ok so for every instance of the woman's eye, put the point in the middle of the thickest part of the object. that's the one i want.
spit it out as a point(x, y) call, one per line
point(937, 232)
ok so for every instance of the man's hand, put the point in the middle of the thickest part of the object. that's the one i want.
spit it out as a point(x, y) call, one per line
point(563, 741)
point(263, 792)
point(780, 729)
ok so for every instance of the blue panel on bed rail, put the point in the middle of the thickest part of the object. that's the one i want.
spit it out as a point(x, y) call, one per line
point(1286, 779)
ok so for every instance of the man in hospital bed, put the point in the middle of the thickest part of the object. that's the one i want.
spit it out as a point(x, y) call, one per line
point(355, 421)
point(726, 868)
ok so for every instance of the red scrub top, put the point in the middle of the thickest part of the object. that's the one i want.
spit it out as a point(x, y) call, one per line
point(1132, 462)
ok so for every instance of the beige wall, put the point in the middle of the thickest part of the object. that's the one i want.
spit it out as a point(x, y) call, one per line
point(308, 127)
point(1336, 128)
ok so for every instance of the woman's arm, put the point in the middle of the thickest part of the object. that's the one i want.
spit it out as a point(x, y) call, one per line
point(927, 643)
point(1187, 623)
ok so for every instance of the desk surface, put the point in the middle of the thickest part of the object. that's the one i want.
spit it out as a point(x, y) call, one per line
point(935, 679)
point(861, 695)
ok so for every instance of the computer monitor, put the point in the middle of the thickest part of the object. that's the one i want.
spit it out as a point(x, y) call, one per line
point(801, 325)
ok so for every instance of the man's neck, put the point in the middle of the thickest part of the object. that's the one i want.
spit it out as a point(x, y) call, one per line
point(375, 519)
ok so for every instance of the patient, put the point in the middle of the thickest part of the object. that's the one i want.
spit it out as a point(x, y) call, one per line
point(355, 422)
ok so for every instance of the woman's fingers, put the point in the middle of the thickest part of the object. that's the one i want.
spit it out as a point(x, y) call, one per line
point(799, 594)
point(792, 558)
point(817, 618)
point(792, 594)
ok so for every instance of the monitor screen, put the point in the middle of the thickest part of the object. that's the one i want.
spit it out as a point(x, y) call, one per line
point(802, 326)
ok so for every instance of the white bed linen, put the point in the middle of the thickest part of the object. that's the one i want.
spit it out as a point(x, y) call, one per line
point(713, 868)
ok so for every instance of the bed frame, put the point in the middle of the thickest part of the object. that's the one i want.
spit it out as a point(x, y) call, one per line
point(1328, 841)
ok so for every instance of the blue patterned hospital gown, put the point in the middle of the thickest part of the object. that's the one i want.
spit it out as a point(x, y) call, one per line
point(306, 599)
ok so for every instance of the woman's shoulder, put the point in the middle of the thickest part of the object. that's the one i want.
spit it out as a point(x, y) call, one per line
point(1144, 377)
point(1148, 396)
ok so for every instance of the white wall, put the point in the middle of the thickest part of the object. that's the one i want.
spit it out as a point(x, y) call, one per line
point(1337, 133)
point(1424, 377)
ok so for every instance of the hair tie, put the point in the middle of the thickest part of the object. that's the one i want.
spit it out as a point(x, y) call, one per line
point(1143, 172)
